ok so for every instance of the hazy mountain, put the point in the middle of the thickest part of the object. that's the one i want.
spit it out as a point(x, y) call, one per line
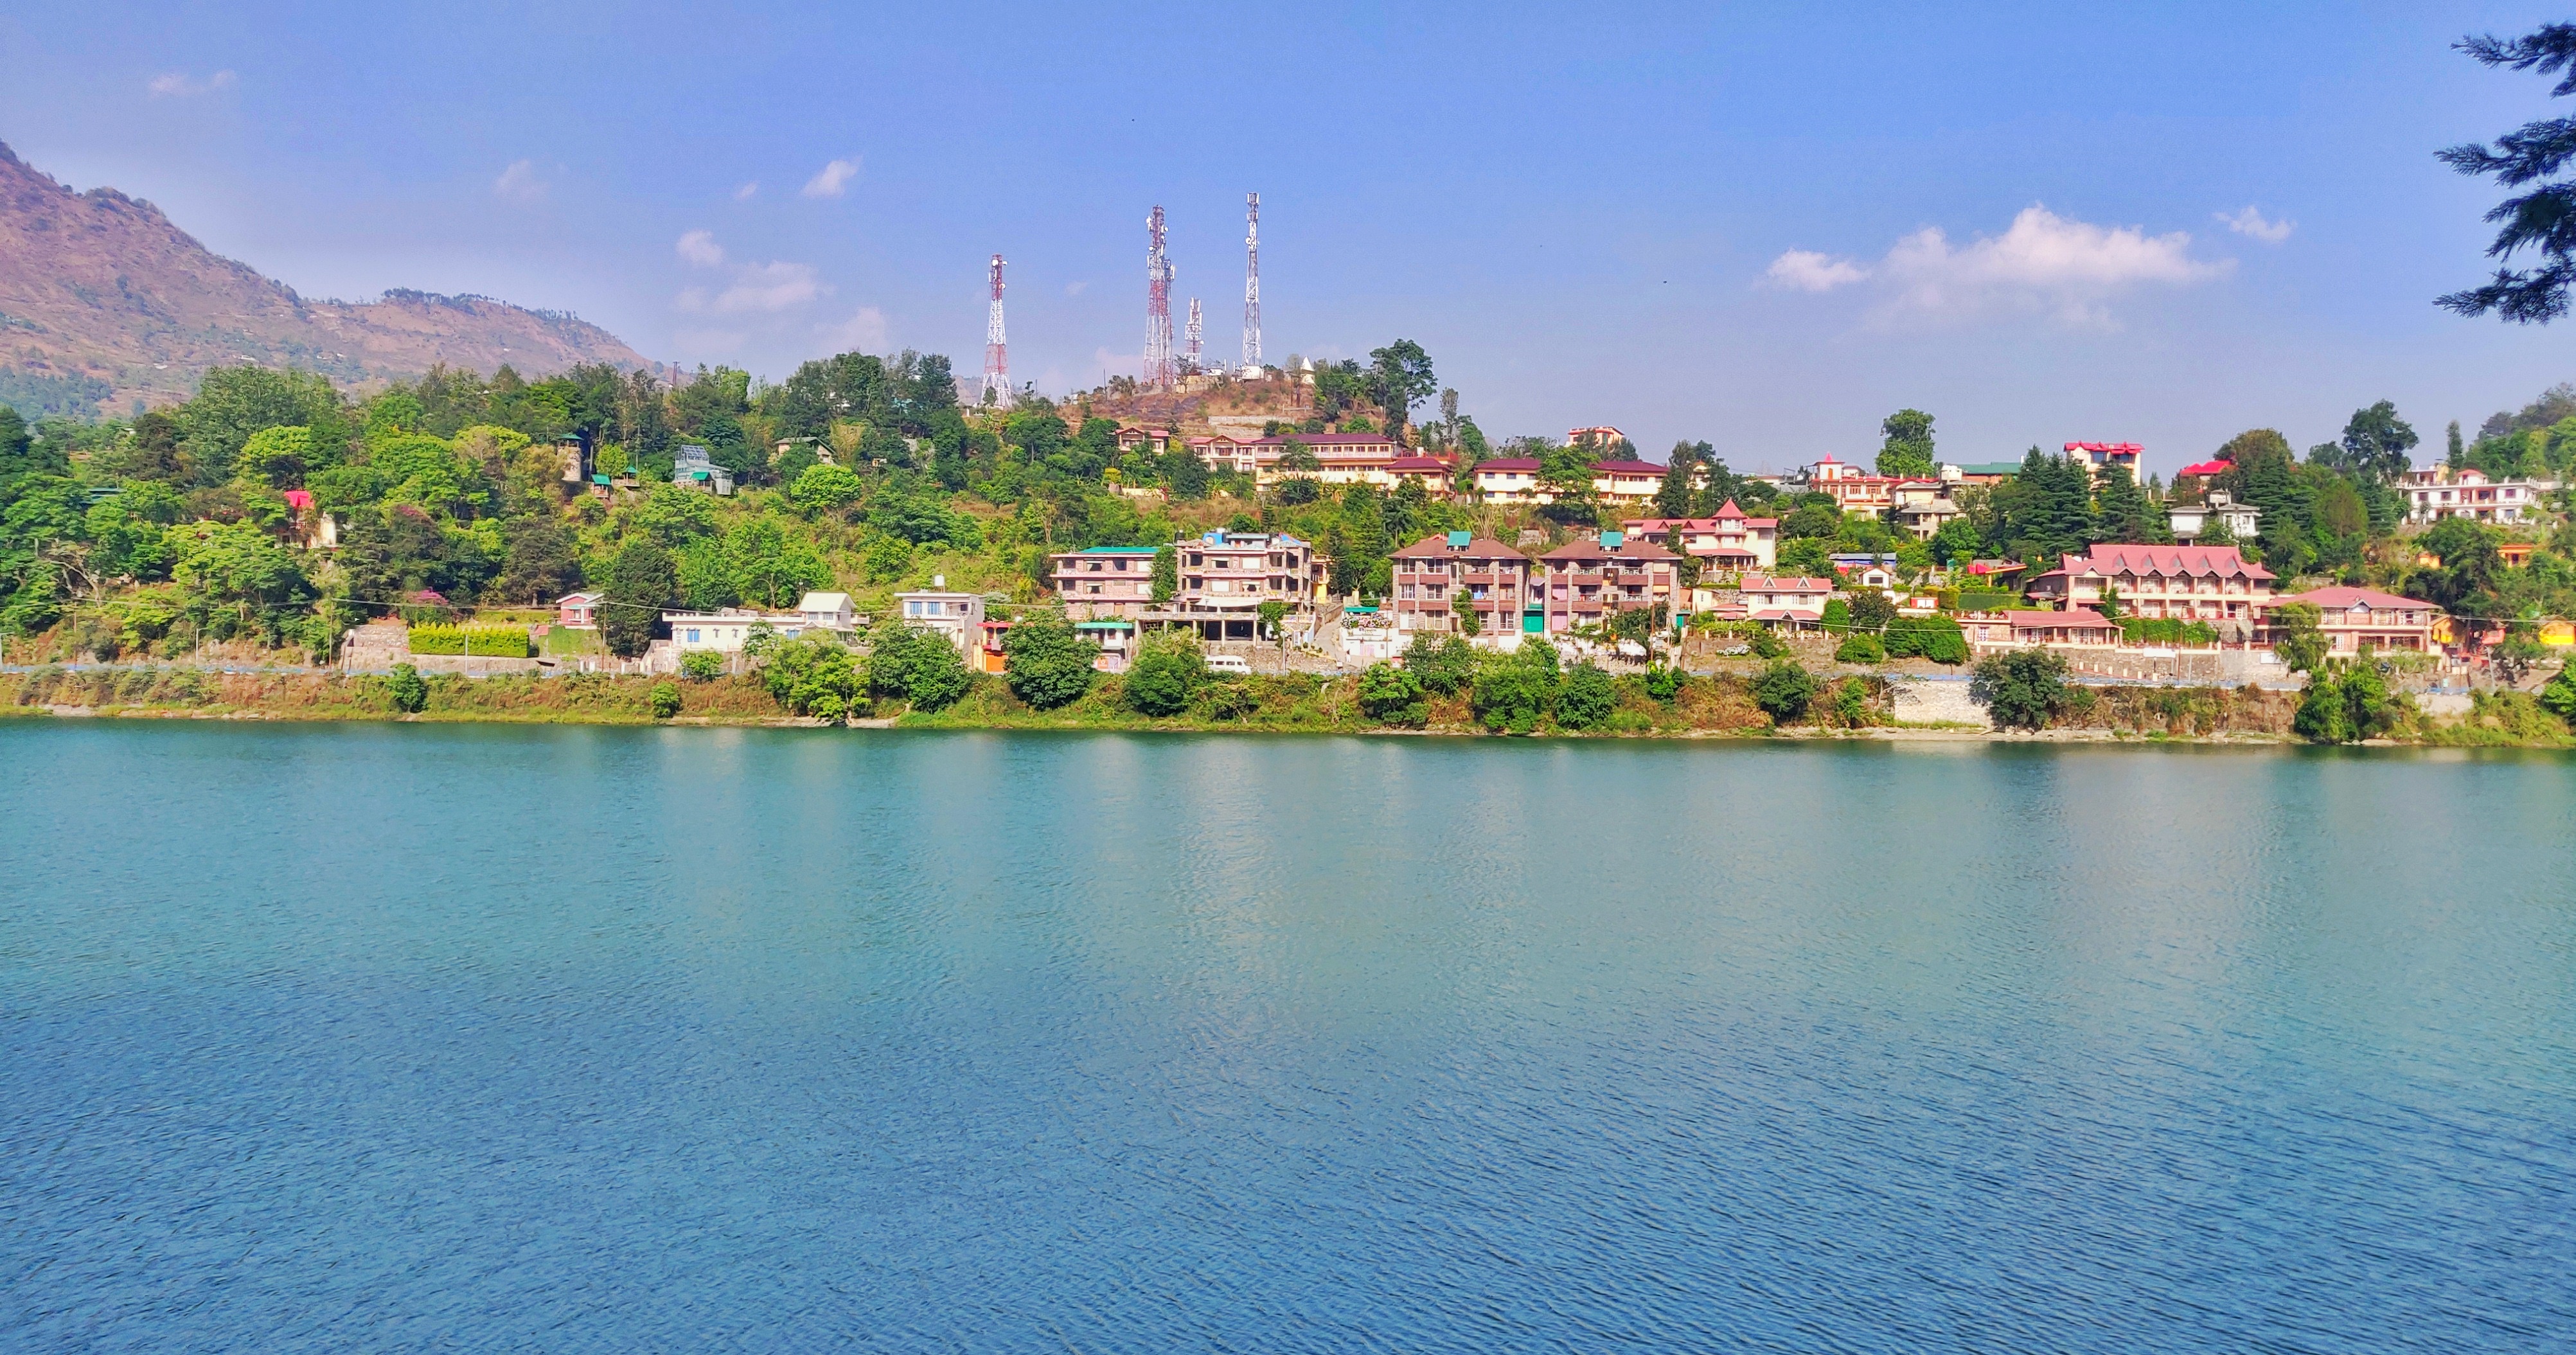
point(103, 301)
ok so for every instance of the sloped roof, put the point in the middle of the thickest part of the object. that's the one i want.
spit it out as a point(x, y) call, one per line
point(1518, 463)
point(2225, 562)
point(1436, 547)
point(2343, 598)
point(1799, 583)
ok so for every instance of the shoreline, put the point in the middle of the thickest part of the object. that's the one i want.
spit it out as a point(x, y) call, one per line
point(1876, 734)
point(1709, 709)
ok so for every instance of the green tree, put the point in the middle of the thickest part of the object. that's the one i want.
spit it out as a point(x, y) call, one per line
point(1676, 495)
point(641, 582)
point(1047, 662)
point(2021, 688)
point(1851, 703)
point(2298, 636)
point(1165, 676)
point(827, 488)
point(701, 665)
point(2559, 694)
point(811, 675)
point(1444, 663)
point(234, 402)
point(540, 564)
point(2370, 711)
point(1402, 377)
point(1588, 698)
point(1783, 691)
point(1167, 574)
point(2321, 717)
point(1808, 557)
point(2124, 516)
point(2376, 445)
point(1392, 696)
point(1907, 446)
point(1862, 648)
point(664, 699)
point(410, 694)
point(2539, 219)
point(1837, 617)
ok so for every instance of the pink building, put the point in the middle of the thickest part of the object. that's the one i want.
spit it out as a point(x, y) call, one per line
point(1586, 581)
point(1432, 572)
point(1792, 599)
point(2354, 617)
point(2187, 583)
point(1103, 582)
point(577, 610)
point(1727, 541)
point(2079, 628)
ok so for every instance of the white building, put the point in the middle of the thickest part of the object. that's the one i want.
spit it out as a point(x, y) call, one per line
point(2439, 492)
point(695, 470)
point(2191, 521)
point(958, 616)
point(827, 611)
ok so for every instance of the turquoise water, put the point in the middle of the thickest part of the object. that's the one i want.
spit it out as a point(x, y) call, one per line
point(399, 1037)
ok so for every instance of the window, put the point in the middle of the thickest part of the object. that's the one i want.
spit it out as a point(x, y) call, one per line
point(693, 637)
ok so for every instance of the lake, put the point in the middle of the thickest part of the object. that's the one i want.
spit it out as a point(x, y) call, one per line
point(355, 1037)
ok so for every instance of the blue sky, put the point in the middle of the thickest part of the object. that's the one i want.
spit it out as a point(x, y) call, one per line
point(1703, 221)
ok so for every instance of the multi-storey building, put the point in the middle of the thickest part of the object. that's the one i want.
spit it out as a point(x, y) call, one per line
point(2102, 456)
point(1626, 481)
point(1497, 580)
point(1793, 599)
point(1226, 576)
point(2354, 617)
point(2190, 583)
point(1340, 458)
point(1584, 582)
point(2439, 492)
point(1515, 479)
point(1923, 507)
point(1103, 582)
point(1725, 542)
point(1854, 490)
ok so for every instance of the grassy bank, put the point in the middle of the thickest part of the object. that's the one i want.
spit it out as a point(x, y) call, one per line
point(1722, 705)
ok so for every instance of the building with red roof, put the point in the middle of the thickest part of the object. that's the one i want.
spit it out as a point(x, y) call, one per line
point(1432, 572)
point(1585, 581)
point(1515, 479)
point(2355, 618)
point(2075, 628)
point(1728, 540)
point(2216, 584)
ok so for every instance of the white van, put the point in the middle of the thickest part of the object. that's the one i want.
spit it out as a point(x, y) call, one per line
point(1230, 665)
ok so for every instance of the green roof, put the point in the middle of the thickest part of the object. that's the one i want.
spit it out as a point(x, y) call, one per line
point(1992, 468)
point(1104, 625)
point(1119, 550)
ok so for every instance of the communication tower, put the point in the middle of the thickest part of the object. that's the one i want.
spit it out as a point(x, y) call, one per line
point(997, 350)
point(1158, 305)
point(1252, 283)
point(1190, 355)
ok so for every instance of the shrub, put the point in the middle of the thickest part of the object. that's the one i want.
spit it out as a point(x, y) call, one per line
point(1588, 698)
point(812, 675)
point(436, 639)
point(1783, 691)
point(701, 666)
point(498, 642)
point(1766, 644)
point(1047, 663)
point(916, 665)
point(1664, 684)
point(2559, 695)
point(1937, 638)
point(665, 700)
point(1161, 680)
point(2347, 701)
point(2321, 715)
point(2021, 689)
point(1393, 696)
point(1851, 703)
point(410, 694)
point(1860, 648)
point(1444, 663)
point(1515, 692)
point(1838, 615)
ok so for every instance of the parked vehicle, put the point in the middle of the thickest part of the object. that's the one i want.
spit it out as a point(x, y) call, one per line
point(1231, 665)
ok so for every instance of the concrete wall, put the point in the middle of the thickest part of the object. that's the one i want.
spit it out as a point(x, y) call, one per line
point(1934, 701)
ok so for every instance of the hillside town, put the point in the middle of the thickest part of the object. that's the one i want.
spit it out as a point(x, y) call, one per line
point(1289, 520)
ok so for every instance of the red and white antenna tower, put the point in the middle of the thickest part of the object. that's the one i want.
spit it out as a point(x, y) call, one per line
point(1158, 305)
point(1252, 283)
point(997, 350)
point(1190, 354)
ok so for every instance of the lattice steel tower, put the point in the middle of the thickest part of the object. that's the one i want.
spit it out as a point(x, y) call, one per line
point(997, 350)
point(1190, 353)
point(1158, 305)
point(1252, 282)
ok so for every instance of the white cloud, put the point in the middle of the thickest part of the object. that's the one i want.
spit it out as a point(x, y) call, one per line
point(700, 248)
point(864, 332)
point(1805, 270)
point(2042, 264)
point(832, 180)
point(769, 288)
point(520, 183)
point(1075, 288)
point(743, 194)
point(181, 85)
point(2251, 222)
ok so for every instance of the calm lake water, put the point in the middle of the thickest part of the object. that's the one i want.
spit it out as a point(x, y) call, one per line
point(402, 1037)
